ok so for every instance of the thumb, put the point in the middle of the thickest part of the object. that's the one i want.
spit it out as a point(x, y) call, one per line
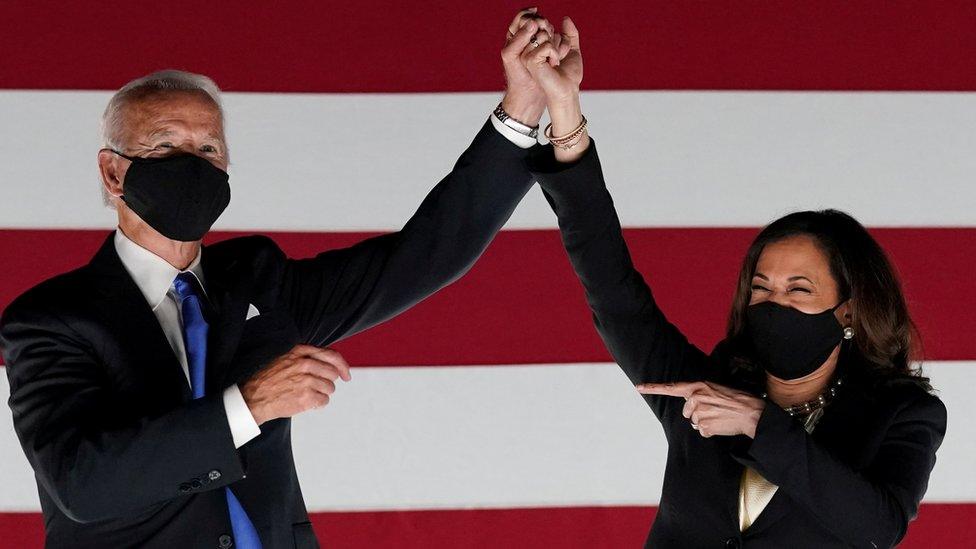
point(571, 33)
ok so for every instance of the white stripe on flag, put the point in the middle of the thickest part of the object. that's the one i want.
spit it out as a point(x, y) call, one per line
point(501, 436)
point(314, 162)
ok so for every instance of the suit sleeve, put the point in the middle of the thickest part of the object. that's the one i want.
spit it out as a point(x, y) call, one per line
point(341, 292)
point(867, 508)
point(646, 346)
point(95, 463)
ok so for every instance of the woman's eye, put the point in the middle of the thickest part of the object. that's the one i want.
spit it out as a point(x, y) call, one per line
point(759, 289)
point(208, 149)
point(802, 290)
point(164, 146)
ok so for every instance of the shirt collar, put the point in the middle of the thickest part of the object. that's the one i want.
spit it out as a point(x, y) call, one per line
point(152, 274)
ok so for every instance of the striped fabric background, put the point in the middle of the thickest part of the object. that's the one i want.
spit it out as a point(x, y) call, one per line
point(490, 415)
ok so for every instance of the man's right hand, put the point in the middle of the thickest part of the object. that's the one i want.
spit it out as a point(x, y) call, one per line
point(299, 380)
point(524, 99)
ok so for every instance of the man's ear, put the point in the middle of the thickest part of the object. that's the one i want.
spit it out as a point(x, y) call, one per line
point(111, 171)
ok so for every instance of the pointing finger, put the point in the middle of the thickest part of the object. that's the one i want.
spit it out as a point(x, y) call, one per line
point(680, 389)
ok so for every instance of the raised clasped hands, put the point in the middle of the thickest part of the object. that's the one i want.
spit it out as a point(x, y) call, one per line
point(544, 69)
point(555, 64)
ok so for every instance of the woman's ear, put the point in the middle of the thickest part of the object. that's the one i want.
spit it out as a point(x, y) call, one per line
point(843, 313)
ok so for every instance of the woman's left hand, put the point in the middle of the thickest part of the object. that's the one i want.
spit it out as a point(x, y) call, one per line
point(557, 66)
point(713, 409)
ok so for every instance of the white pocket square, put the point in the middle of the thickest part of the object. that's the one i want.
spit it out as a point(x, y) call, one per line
point(252, 312)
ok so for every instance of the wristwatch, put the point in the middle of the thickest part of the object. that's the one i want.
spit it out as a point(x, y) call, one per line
point(504, 118)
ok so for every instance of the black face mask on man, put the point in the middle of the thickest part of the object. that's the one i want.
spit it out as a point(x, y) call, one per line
point(791, 344)
point(181, 196)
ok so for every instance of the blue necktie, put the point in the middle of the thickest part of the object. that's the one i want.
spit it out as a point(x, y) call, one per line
point(195, 338)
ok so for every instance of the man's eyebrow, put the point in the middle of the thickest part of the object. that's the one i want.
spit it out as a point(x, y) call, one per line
point(163, 132)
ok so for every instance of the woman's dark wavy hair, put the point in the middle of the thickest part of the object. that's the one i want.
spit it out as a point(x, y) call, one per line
point(885, 342)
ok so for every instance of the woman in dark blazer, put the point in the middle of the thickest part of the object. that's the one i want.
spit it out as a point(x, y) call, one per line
point(806, 426)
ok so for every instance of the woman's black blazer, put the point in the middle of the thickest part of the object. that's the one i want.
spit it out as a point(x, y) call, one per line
point(855, 482)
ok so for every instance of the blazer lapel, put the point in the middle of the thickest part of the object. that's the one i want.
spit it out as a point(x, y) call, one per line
point(837, 422)
point(124, 310)
point(229, 304)
point(775, 510)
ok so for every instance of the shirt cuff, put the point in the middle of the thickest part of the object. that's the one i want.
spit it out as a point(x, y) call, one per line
point(519, 139)
point(242, 425)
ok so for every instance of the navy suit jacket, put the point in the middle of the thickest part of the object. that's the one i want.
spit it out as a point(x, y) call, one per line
point(124, 457)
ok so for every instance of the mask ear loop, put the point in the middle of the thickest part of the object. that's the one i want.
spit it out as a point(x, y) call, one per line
point(125, 156)
point(834, 309)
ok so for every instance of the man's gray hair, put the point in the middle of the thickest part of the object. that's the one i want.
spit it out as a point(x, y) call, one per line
point(158, 82)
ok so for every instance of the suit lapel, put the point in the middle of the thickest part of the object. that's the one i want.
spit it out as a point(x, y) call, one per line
point(841, 420)
point(775, 510)
point(228, 299)
point(124, 310)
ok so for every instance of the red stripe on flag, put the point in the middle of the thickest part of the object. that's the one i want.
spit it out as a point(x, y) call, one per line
point(521, 303)
point(938, 525)
point(454, 46)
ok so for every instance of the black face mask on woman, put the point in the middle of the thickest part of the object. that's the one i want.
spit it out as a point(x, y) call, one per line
point(791, 344)
point(181, 196)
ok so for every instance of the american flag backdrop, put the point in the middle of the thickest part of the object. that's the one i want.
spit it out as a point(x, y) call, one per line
point(490, 415)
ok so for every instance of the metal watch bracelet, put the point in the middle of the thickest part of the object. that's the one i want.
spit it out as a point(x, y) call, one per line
point(506, 119)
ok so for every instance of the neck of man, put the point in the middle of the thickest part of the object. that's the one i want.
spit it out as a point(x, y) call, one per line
point(789, 392)
point(176, 253)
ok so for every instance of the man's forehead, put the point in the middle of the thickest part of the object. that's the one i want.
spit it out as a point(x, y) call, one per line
point(168, 128)
point(175, 105)
point(165, 114)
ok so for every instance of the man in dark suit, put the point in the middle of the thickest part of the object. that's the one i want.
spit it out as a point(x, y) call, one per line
point(152, 389)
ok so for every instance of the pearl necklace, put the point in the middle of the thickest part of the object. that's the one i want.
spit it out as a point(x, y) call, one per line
point(806, 408)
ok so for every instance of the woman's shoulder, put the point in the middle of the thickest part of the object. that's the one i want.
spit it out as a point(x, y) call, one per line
point(906, 398)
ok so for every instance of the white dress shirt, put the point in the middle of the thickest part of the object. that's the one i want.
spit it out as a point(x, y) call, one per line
point(519, 139)
point(154, 277)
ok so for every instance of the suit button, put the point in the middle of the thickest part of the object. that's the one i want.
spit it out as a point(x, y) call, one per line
point(184, 487)
point(732, 543)
point(225, 541)
point(196, 484)
point(213, 475)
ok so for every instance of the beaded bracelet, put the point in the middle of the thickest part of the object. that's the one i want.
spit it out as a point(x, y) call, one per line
point(569, 140)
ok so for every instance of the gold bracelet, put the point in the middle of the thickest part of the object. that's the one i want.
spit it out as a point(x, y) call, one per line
point(563, 140)
point(569, 145)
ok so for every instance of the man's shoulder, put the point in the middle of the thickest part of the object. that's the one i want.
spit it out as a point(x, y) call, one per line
point(55, 292)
